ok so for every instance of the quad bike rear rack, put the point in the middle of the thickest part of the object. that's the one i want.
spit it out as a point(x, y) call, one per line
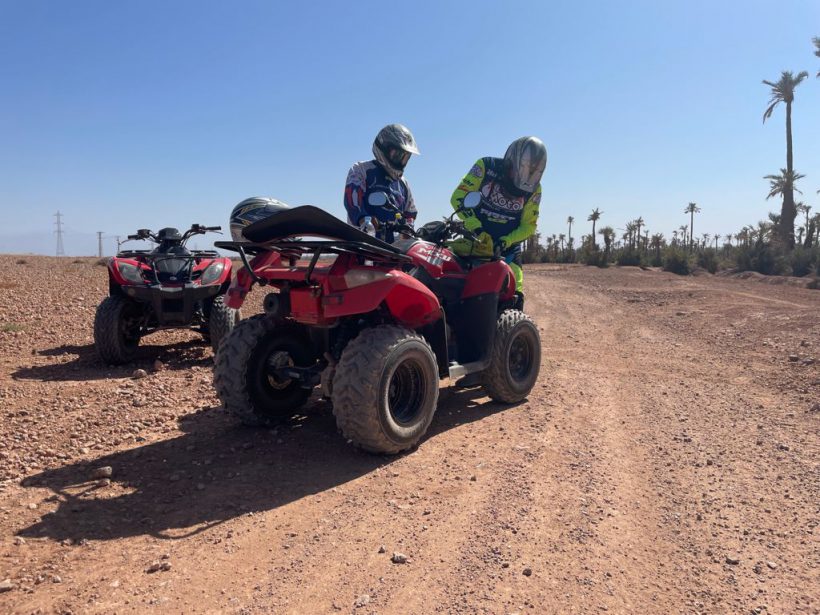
point(294, 250)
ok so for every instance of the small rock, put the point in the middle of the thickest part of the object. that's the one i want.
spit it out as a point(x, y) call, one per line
point(200, 486)
point(158, 366)
point(102, 472)
point(32, 506)
point(19, 540)
point(771, 565)
point(361, 601)
point(527, 572)
point(6, 586)
point(85, 450)
point(399, 558)
point(56, 578)
point(680, 313)
point(104, 482)
point(473, 478)
point(139, 373)
point(382, 549)
point(793, 358)
point(732, 560)
point(114, 584)
point(158, 566)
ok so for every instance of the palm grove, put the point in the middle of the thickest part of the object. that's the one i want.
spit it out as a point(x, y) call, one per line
point(787, 243)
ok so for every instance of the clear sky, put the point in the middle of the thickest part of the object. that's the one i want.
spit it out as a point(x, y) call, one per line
point(148, 114)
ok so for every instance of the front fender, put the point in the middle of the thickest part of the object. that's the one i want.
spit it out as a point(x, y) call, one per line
point(409, 301)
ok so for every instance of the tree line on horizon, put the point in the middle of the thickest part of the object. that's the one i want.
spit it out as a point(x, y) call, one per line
point(783, 244)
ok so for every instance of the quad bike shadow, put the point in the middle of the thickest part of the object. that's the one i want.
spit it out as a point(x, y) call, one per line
point(82, 363)
point(216, 471)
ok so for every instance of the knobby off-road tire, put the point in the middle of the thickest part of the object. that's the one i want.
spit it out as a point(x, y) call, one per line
point(241, 374)
point(115, 341)
point(385, 389)
point(221, 321)
point(515, 358)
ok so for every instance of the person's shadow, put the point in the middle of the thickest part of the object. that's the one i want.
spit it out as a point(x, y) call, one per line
point(217, 470)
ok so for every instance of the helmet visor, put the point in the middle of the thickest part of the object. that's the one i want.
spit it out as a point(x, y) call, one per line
point(398, 158)
point(527, 173)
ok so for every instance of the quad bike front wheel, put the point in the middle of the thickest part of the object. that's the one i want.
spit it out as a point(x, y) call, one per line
point(515, 358)
point(385, 389)
point(117, 329)
point(245, 361)
point(221, 321)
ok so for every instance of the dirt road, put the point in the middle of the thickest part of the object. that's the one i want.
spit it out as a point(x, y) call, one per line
point(668, 461)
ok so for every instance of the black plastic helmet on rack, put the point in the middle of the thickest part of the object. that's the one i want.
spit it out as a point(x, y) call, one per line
point(525, 160)
point(252, 210)
point(393, 147)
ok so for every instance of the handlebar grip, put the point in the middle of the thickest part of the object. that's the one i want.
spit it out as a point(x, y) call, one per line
point(133, 237)
point(213, 228)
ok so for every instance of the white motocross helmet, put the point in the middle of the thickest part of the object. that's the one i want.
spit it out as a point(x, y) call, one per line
point(252, 210)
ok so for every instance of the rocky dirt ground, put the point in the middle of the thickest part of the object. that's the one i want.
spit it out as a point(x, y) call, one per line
point(668, 461)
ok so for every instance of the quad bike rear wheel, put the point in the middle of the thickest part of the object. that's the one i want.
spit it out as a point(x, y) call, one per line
point(385, 389)
point(117, 329)
point(221, 321)
point(515, 358)
point(242, 375)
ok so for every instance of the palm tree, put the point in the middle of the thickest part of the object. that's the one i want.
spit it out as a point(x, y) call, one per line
point(803, 208)
point(784, 184)
point(638, 224)
point(608, 233)
point(570, 220)
point(594, 217)
point(783, 92)
point(561, 238)
point(656, 243)
point(691, 209)
point(717, 238)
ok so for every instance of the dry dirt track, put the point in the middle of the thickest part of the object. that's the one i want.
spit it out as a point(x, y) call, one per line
point(668, 461)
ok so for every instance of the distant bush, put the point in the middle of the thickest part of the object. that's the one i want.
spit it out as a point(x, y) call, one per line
point(707, 259)
point(594, 258)
point(11, 327)
point(802, 261)
point(629, 258)
point(676, 260)
point(21, 261)
point(102, 262)
point(761, 257)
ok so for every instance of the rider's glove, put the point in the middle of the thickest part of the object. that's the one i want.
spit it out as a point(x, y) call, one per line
point(483, 245)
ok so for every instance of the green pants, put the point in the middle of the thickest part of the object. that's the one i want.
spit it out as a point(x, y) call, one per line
point(518, 273)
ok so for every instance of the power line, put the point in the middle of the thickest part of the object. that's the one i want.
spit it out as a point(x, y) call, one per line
point(59, 233)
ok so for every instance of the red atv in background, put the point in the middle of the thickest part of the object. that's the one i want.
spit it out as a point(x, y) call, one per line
point(167, 287)
point(376, 328)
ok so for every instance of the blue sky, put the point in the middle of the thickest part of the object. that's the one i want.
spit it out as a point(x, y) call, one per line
point(147, 114)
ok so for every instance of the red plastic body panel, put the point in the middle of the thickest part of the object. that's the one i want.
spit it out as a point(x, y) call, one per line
point(490, 278)
point(438, 261)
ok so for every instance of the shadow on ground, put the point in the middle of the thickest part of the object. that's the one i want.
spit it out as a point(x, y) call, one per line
point(216, 471)
point(86, 365)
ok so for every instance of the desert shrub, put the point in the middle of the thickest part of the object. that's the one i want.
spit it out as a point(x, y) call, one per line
point(593, 258)
point(21, 261)
point(707, 259)
point(676, 260)
point(11, 327)
point(761, 257)
point(102, 262)
point(801, 261)
point(629, 257)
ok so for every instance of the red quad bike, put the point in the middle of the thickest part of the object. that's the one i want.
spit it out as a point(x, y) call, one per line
point(167, 287)
point(376, 328)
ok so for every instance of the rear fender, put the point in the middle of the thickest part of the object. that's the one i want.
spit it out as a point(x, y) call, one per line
point(409, 302)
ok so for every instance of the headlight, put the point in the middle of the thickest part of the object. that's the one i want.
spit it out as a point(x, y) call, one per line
point(212, 273)
point(360, 277)
point(131, 273)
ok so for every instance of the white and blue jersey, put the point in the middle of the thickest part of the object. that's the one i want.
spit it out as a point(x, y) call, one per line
point(366, 177)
